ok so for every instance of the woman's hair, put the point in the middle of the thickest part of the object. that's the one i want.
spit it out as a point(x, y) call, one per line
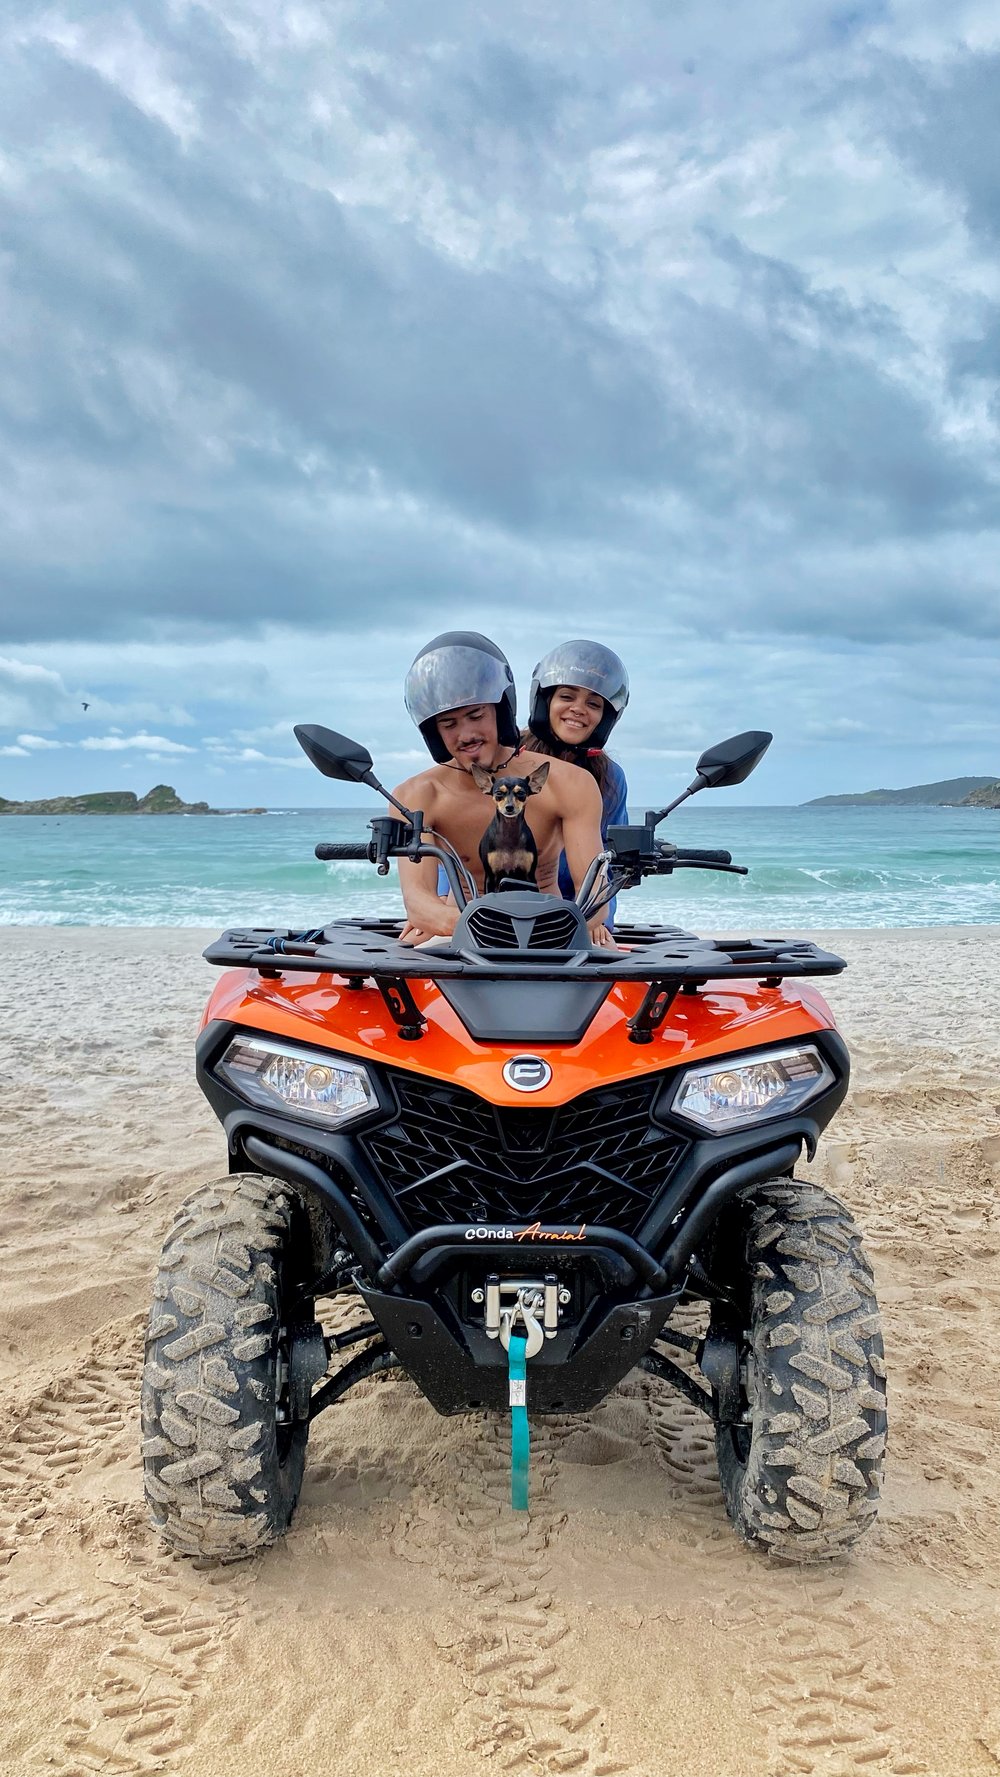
point(592, 759)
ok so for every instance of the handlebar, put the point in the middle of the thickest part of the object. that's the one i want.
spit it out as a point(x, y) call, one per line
point(344, 849)
point(663, 858)
point(398, 839)
point(702, 857)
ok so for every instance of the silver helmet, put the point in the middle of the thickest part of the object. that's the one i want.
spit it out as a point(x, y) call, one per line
point(455, 669)
point(578, 663)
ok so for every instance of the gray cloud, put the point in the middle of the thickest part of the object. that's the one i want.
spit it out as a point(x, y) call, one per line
point(657, 327)
point(946, 120)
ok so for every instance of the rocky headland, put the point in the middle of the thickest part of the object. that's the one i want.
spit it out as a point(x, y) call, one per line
point(953, 792)
point(161, 799)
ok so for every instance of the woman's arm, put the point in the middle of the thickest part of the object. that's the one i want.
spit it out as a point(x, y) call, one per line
point(616, 798)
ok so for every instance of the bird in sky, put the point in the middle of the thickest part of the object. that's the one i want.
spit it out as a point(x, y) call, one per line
point(86, 706)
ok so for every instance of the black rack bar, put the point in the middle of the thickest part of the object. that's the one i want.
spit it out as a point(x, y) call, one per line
point(657, 1001)
point(402, 1007)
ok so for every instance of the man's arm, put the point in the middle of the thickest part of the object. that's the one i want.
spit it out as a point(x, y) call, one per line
point(427, 914)
point(581, 810)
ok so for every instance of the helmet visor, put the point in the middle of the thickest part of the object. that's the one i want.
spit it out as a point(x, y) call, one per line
point(451, 677)
point(588, 664)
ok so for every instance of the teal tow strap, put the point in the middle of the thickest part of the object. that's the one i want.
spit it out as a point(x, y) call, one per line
point(519, 1440)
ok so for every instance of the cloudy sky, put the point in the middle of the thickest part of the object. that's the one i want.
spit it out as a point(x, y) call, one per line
point(328, 326)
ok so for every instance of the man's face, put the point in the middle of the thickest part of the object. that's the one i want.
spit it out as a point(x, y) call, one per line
point(470, 733)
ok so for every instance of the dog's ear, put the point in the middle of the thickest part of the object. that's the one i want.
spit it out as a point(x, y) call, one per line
point(537, 778)
point(482, 780)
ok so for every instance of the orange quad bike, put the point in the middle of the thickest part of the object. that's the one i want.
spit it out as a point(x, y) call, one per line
point(520, 1155)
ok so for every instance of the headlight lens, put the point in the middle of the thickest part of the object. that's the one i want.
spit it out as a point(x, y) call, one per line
point(720, 1097)
point(324, 1088)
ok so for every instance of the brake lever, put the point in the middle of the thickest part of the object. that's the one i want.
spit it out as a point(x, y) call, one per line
point(383, 841)
point(668, 868)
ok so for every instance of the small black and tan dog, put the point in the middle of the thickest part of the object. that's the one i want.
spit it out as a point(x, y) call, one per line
point(507, 848)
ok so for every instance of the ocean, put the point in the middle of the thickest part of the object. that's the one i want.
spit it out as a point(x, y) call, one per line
point(809, 867)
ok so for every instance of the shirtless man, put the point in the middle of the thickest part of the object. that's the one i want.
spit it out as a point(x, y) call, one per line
point(460, 693)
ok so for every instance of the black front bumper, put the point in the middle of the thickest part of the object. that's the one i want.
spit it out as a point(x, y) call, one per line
point(459, 1369)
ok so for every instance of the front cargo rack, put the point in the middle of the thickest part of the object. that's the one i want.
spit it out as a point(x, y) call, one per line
point(370, 948)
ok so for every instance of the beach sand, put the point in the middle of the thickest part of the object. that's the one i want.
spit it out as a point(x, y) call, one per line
point(410, 1623)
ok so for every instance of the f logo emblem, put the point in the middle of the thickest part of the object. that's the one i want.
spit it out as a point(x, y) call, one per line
point(527, 1073)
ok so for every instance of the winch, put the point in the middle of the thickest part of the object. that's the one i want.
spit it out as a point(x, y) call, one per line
point(532, 1302)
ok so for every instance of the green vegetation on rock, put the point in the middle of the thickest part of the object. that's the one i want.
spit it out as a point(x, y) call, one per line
point(952, 792)
point(101, 802)
point(161, 799)
point(988, 796)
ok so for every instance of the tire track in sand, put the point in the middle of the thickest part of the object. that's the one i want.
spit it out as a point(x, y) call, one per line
point(49, 1437)
point(821, 1695)
point(826, 1698)
point(150, 1629)
point(525, 1713)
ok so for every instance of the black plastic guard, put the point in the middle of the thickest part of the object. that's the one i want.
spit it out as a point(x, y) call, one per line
point(462, 1371)
point(526, 1011)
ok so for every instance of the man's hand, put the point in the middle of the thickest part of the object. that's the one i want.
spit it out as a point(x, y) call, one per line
point(427, 914)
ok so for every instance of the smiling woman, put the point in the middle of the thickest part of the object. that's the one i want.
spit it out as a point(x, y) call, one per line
point(578, 691)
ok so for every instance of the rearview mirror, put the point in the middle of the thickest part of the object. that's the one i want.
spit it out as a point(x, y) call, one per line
point(333, 754)
point(733, 760)
point(728, 763)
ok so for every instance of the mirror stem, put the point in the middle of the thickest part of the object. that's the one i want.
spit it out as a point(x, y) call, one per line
point(655, 816)
point(370, 778)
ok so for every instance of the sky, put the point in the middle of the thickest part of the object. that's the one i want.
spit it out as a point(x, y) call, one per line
point(329, 326)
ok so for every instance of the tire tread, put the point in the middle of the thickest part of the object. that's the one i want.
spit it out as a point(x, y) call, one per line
point(214, 1484)
point(809, 1486)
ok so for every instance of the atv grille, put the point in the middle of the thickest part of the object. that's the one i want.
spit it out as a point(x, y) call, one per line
point(494, 931)
point(553, 931)
point(452, 1157)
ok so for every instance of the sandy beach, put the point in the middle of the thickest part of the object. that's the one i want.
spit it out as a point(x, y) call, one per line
point(409, 1624)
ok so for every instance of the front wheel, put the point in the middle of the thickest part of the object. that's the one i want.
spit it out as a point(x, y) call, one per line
point(224, 1442)
point(801, 1468)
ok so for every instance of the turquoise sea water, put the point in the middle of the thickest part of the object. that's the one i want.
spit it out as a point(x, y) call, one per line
point(809, 867)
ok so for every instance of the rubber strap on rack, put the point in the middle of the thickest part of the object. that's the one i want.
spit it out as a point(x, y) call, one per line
point(519, 1441)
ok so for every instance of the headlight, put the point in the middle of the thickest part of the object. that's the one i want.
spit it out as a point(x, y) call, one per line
point(324, 1088)
point(728, 1096)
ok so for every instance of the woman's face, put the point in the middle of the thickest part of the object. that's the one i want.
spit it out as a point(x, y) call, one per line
point(574, 713)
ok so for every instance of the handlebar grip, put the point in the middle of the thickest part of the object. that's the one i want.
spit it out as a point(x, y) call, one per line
point(703, 857)
point(345, 849)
